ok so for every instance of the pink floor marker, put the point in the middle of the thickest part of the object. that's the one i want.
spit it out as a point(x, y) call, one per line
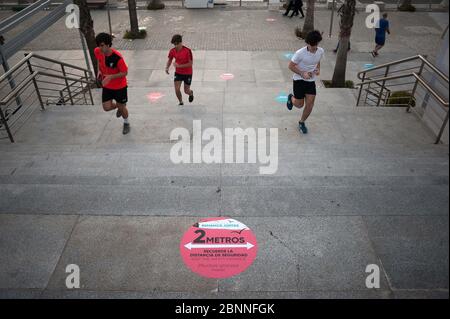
point(271, 20)
point(154, 96)
point(218, 247)
point(227, 76)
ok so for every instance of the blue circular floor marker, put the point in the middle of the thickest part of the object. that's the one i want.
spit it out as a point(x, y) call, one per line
point(288, 55)
point(282, 97)
point(368, 65)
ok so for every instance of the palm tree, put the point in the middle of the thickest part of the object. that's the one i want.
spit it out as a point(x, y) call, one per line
point(308, 26)
point(134, 27)
point(87, 28)
point(347, 13)
point(155, 5)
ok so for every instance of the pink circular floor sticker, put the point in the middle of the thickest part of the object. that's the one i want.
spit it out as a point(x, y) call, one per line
point(227, 76)
point(155, 96)
point(218, 247)
point(271, 20)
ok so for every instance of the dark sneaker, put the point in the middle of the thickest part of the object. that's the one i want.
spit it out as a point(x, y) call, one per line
point(289, 102)
point(126, 128)
point(118, 113)
point(191, 97)
point(180, 104)
point(302, 127)
point(374, 54)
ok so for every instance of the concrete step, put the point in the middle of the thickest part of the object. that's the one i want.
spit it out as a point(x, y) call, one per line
point(227, 200)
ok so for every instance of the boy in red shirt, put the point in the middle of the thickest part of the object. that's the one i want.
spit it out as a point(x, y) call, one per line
point(112, 71)
point(183, 67)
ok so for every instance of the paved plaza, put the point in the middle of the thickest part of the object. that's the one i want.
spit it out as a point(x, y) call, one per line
point(364, 186)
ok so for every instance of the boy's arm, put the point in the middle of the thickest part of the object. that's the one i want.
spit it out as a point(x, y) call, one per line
point(317, 70)
point(293, 67)
point(169, 62)
point(186, 65)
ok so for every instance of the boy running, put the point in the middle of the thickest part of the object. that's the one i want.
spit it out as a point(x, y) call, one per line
point(306, 66)
point(380, 34)
point(112, 71)
point(183, 68)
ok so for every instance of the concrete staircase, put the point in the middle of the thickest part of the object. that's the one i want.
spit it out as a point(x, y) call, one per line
point(354, 161)
point(366, 185)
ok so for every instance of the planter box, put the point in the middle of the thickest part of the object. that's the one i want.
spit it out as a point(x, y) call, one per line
point(196, 4)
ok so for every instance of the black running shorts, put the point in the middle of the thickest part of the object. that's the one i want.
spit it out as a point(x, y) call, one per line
point(120, 95)
point(301, 88)
point(186, 78)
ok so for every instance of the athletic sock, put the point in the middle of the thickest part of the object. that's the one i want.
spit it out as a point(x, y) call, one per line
point(125, 121)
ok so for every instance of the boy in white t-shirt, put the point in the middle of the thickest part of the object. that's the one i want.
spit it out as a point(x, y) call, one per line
point(306, 66)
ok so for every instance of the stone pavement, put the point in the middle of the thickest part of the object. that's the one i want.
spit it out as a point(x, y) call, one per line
point(365, 186)
point(219, 29)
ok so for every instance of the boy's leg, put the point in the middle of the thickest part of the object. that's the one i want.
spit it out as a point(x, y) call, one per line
point(123, 110)
point(378, 47)
point(177, 85)
point(187, 88)
point(308, 107)
point(189, 92)
point(107, 100)
point(298, 103)
point(109, 106)
point(296, 99)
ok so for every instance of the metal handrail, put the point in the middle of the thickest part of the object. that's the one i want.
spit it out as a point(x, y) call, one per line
point(30, 10)
point(32, 54)
point(32, 76)
point(416, 57)
point(19, 88)
point(418, 77)
point(429, 89)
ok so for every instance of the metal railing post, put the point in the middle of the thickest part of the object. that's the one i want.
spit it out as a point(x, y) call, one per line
point(61, 98)
point(415, 85)
point(36, 86)
point(89, 88)
point(360, 89)
point(67, 84)
point(441, 131)
point(8, 131)
point(382, 86)
point(6, 68)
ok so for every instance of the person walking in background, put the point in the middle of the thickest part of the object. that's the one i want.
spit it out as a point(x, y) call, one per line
point(380, 34)
point(296, 6)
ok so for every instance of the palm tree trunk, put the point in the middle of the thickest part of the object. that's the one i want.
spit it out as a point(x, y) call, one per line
point(341, 63)
point(134, 27)
point(87, 28)
point(347, 13)
point(308, 26)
